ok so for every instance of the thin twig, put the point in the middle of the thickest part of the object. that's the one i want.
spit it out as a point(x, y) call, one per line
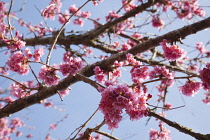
point(83, 125)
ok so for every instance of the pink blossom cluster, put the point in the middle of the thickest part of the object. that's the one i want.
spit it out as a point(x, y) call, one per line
point(160, 72)
point(190, 88)
point(137, 36)
point(72, 66)
point(119, 28)
point(53, 9)
point(205, 77)
point(19, 91)
point(64, 93)
point(157, 22)
point(112, 15)
point(38, 53)
point(19, 60)
point(115, 99)
point(128, 5)
point(18, 63)
point(99, 74)
point(139, 74)
point(15, 44)
point(131, 60)
point(172, 52)
point(163, 134)
point(8, 128)
point(63, 18)
point(188, 8)
point(48, 75)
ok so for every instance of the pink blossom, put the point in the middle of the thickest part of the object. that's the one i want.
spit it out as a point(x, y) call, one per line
point(16, 122)
point(73, 9)
point(189, 8)
point(128, 6)
point(29, 136)
point(139, 74)
point(86, 14)
point(18, 91)
point(64, 93)
point(205, 77)
point(28, 53)
point(4, 70)
point(53, 126)
point(48, 75)
point(38, 53)
point(115, 99)
point(66, 56)
point(71, 67)
point(112, 15)
point(18, 63)
point(201, 48)
point(15, 44)
point(190, 88)
point(160, 71)
point(18, 133)
point(157, 22)
point(172, 52)
point(78, 21)
point(63, 18)
point(164, 134)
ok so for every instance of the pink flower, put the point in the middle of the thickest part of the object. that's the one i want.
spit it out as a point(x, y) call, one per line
point(139, 74)
point(18, 63)
point(63, 18)
point(73, 9)
point(53, 126)
point(38, 53)
point(78, 21)
point(205, 77)
point(71, 67)
point(48, 75)
point(15, 44)
point(160, 71)
point(172, 52)
point(157, 22)
point(85, 14)
point(190, 88)
point(115, 99)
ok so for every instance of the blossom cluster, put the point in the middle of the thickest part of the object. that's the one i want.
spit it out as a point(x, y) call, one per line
point(9, 127)
point(190, 88)
point(71, 65)
point(157, 22)
point(19, 91)
point(48, 75)
point(205, 77)
point(161, 71)
point(139, 74)
point(163, 134)
point(19, 60)
point(115, 99)
point(172, 52)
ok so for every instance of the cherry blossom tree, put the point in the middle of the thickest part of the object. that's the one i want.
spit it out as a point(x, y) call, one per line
point(137, 56)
